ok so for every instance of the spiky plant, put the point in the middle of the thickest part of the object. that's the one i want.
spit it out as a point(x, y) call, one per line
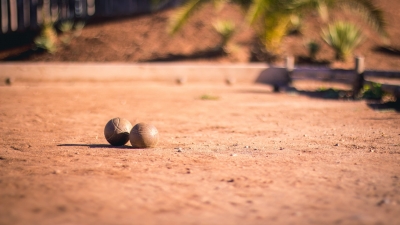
point(78, 27)
point(47, 38)
point(66, 26)
point(296, 24)
point(343, 37)
point(225, 29)
point(313, 48)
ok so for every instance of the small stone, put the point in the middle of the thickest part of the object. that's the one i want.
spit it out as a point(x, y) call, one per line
point(181, 80)
point(9, 81)
point(230, 81)
point(281, 148)
point(246, 146)
point(383, 201)
point(337, 144)
point(233, 155)
point(178, 149)
point(56, 171)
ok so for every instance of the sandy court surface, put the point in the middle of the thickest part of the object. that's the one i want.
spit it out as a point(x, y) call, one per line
point(248, 157)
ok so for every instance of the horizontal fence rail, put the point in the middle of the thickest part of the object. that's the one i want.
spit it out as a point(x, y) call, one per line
point(21, 15)
point(382, 74)
point(283, 76)
point(324, 74)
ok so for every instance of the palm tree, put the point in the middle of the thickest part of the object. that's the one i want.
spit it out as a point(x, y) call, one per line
point(271, 18)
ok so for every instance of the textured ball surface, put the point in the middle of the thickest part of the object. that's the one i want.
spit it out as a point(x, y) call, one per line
point(143, 135)
point(117, 131)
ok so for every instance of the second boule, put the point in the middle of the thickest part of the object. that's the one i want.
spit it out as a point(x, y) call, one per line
point(144, 135)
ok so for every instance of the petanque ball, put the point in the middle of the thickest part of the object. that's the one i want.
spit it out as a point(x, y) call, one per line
point(143, 135)
point(117, 131)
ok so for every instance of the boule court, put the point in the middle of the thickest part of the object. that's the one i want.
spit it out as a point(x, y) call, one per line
point(242, 155)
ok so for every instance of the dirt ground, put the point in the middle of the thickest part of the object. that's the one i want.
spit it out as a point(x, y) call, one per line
point(244, 155)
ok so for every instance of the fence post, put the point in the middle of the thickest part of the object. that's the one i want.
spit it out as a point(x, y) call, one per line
point(359, 81)
point(289, 66)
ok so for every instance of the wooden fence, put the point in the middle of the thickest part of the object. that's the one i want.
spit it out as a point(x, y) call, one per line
point(21, 15)
point(356, 78)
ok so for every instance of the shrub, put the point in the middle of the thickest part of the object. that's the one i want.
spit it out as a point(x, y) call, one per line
point(343, 37)
point(372, 91)
point(47, 38)
point(313, 48)
point(66, 26)
point(225, 29)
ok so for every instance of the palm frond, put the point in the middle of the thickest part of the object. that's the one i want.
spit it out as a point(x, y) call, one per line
point(321, 6)
point(276, 29)
point(256, 10)
point(183, 14)
point(244, 4)
point(225, 29)
point(370, 12)
point(219, 4)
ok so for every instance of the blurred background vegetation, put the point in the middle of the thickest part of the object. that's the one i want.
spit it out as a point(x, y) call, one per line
point(321, 32)
point(272, 20)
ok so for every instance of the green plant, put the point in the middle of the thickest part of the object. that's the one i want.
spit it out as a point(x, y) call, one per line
point(225, 29)
point(69, 30)
point(66, 26)
point(47, 38)
point(372, 91)
point(296, 24)
point(343, 37)
point(78, 27)
point(209, 97)
point(313, 48)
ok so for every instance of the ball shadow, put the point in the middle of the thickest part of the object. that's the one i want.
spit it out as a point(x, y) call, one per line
point(96, 146)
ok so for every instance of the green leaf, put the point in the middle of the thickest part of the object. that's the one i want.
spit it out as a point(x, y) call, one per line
point(183, 14)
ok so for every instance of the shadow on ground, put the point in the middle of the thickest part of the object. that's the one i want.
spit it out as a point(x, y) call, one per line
point(335, 94)
point(385, 106)
point(25, 54)
point(338, 94)
point(329, 93)
point(95, 146)
point(208, 53)
point(388, 50)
